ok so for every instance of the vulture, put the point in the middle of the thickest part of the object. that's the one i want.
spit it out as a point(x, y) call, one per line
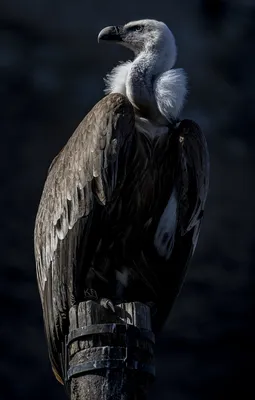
point(122, 205)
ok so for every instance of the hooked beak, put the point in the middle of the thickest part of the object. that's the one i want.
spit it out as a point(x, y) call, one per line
point(111, 34)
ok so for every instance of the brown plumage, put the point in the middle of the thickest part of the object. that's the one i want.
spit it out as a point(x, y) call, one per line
point(100, 209)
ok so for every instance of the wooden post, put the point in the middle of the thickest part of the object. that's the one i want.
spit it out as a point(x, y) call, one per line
point(105, 339)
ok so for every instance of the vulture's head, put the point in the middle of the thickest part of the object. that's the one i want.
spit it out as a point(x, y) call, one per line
point(142, 35)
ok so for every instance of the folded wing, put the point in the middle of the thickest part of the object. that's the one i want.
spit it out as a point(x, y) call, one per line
point(87, 171)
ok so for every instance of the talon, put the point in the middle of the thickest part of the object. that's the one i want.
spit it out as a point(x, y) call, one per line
point(90, 294)
point(108, 304)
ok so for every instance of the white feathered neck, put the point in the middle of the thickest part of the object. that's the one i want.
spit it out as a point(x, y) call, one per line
point(164, 89)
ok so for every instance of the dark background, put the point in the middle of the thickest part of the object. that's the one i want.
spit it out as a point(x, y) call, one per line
point(51, 74)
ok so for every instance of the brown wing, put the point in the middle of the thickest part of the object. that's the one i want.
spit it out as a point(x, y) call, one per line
point(191, 182)
point(192, 185)
point(194, 174)
point(86, 172)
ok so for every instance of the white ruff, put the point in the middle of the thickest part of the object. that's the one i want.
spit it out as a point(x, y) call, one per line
point(169, 91)
point(115, 82)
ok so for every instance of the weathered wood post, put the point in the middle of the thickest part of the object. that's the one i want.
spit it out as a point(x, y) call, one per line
point(109, 355)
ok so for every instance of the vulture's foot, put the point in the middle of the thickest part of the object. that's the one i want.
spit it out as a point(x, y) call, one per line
point(91, 294)
point(108, 304)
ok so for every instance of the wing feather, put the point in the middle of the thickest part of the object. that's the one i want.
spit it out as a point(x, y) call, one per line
point(191, 182)
point(84, 173)
point(194, 173)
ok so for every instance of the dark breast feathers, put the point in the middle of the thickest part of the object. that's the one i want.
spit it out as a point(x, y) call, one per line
point(104, 196)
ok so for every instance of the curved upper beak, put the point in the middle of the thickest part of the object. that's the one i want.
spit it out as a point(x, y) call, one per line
point(111, 34)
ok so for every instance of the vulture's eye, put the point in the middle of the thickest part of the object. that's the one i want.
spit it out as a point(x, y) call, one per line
point(135, 28)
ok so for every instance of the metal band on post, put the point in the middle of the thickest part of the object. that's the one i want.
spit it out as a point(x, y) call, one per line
point(109, 364)
point(132, 334)
point(109, 354)
point(131, 331)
